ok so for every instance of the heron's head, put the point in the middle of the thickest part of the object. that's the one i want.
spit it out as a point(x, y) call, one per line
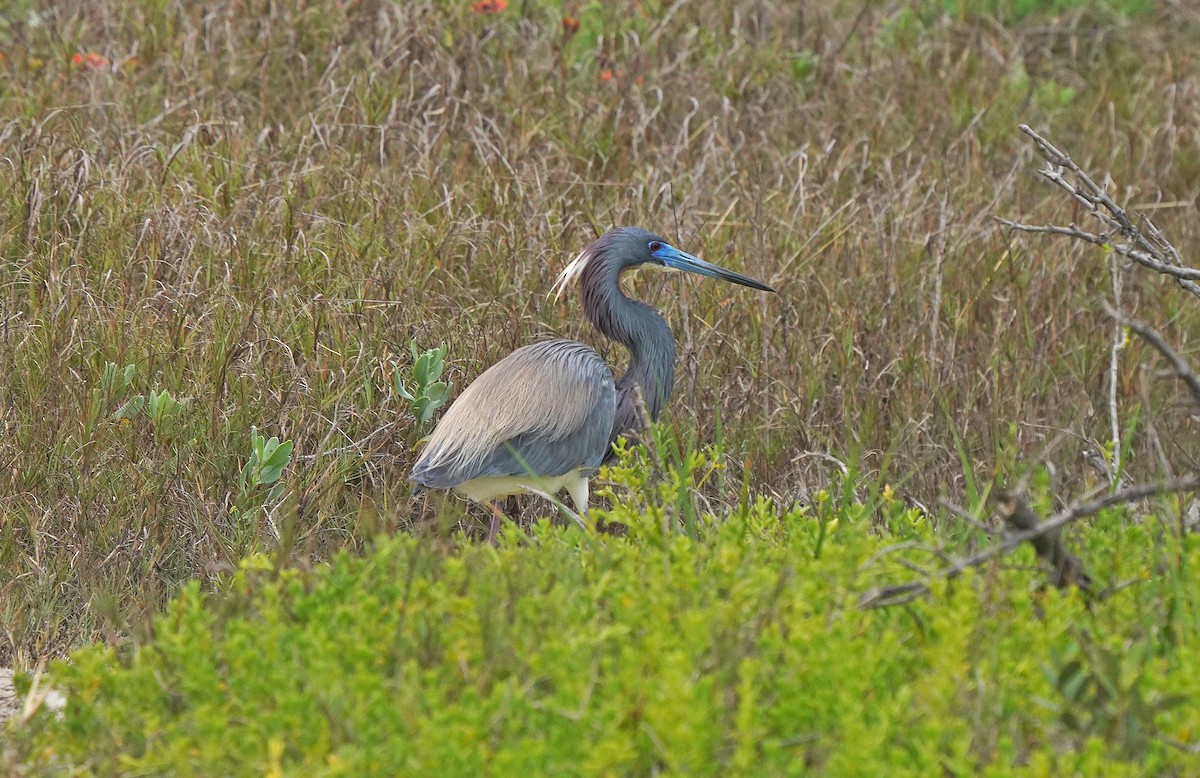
point(630, 247)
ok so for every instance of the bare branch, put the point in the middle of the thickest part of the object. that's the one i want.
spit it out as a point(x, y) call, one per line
point(1149, 248)
point(827, 457)
point(910, 546)
point(898, 594)
point(1114, 368)
point(1070, 231)
point(1065, 567)
point(1186, 275)
point(1188, 483)
point(1147, 333)
point(964, 515)
point(887, 596)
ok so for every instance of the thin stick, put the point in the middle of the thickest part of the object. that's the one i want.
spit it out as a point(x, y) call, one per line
point(964, 515)
point(1147, 333)
point(1114, 366)
point(899, 594)
point(1188, 483)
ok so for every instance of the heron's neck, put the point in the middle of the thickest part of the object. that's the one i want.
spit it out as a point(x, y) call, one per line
point(640, 329)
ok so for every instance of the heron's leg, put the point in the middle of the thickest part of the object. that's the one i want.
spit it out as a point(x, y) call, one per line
point(497, 515)
point(577, 487)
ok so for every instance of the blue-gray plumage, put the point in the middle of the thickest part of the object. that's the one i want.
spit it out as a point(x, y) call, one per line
point(545, 417)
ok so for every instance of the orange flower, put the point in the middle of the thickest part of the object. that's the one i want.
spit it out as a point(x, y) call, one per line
point(570, 25)
point(605, 76)
point(489, 6)
point(90, 61)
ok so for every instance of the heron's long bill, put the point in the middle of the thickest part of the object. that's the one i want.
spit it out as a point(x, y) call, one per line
point(680, 260)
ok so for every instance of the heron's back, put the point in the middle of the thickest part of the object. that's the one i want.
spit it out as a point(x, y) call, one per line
point(545, 409)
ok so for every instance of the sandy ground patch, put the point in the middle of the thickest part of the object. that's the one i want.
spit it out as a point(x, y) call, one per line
point(10, 704)
point(8, 694)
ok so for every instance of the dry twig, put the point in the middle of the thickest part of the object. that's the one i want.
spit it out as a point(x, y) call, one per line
point(965, 516)
point(1147, 333)
point(1065, 568)
point(1148, 247)
point(1043, 533)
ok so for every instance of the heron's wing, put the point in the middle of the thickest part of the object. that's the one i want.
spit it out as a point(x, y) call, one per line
point(546, 408)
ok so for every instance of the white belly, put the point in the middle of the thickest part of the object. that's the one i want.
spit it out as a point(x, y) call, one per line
point(492, 487)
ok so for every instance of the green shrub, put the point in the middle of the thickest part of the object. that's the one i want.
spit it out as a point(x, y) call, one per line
point(730, 649)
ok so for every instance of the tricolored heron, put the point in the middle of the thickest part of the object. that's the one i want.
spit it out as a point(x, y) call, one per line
point(546, 416)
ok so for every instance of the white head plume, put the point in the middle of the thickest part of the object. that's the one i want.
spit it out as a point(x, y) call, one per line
point(570, 273)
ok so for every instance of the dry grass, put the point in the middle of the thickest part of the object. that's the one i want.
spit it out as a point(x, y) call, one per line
point(259, 204)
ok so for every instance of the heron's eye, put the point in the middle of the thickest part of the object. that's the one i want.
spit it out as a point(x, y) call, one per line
point(655, 246)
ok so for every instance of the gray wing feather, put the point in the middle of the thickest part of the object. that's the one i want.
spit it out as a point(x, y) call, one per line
point(546, 408)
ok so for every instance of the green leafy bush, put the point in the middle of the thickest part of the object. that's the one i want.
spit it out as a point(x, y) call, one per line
point(268, 458)
point(731, 649)
point(428, 392)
